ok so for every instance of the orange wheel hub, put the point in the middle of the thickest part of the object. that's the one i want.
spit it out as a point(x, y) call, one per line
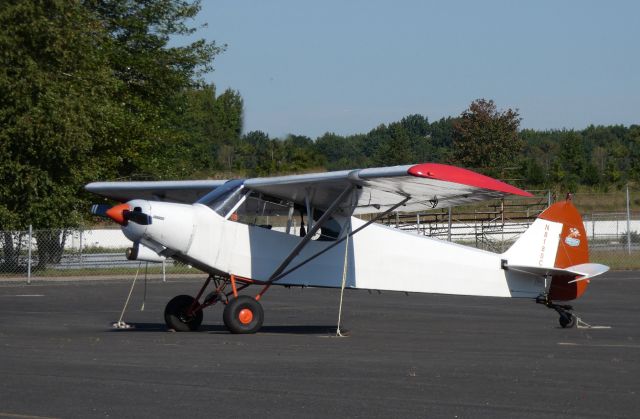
point(245, 316)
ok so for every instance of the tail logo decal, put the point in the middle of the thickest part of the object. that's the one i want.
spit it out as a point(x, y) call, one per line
point(573, 238)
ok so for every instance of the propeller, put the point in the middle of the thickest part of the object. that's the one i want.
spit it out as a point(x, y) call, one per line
point(121, 214)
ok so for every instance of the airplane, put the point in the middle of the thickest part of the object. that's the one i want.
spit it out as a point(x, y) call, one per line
point(242, 232)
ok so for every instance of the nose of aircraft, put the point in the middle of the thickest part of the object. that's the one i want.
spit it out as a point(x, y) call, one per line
point(165, 223)
point(134, 217)
point(116, 213)
point(137, 216)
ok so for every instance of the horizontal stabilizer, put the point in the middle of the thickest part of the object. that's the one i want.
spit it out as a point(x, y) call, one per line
point(589, 270)
point(583, 270)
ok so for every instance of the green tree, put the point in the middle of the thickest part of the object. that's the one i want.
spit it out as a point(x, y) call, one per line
point(152, 75)
point(571, 159)
point(196, 119)
point(485, 138)
point(54, 86)
point(87, 91)
point(228, 122)
point(394, 147)
point(533, 173)
point(634, 152)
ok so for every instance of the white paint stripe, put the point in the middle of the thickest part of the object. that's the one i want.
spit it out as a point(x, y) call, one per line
point(599, 345)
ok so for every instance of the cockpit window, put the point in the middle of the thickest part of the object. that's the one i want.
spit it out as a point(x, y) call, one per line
point(264, 211)
point(283, 216)
point(235, 203)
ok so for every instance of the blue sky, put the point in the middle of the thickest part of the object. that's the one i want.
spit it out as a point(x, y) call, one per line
point(306, 67)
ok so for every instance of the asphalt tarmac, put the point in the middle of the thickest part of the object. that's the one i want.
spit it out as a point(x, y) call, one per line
point(405, 356)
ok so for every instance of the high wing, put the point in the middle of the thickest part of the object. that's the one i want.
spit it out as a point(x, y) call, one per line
point(423, 186)
point(427, 186)
point(182, 191)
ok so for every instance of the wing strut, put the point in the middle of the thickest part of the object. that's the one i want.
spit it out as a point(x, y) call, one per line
point(337, 242)
point(310, 233)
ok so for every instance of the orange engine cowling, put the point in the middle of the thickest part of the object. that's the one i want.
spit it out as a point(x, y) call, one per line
point(573, 249)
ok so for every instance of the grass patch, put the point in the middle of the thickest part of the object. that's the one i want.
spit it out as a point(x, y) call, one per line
point(616, 260)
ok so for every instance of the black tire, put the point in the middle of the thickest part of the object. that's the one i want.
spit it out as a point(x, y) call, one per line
point(243, 315)
point(176, 317)
point(567, 320)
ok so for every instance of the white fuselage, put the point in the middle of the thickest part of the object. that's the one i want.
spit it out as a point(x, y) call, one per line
point(378, 257)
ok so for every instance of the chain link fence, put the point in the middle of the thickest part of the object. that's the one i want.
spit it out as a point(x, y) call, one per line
point(612, 222)
point(59, 253)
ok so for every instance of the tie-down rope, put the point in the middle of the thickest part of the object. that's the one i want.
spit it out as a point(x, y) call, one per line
point(344, 281)
point(120, 324)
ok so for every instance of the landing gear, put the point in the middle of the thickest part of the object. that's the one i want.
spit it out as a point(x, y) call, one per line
point(183, 314)
point(243, 315)
point(567, 319)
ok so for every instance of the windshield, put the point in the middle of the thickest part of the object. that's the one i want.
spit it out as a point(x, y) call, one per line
point(224, 197)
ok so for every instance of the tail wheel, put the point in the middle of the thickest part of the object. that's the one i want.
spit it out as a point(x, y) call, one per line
point(243, 315)
point(567, 320)
point(177, 316)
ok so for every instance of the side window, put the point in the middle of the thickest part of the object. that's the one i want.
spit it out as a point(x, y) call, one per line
point(331, 229)
point(252, 208)
point(261, 211)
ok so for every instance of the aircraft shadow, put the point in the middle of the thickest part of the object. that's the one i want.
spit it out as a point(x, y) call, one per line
point(220, 329)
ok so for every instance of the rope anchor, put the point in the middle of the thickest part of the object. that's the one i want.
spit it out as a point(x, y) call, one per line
point(121, 324)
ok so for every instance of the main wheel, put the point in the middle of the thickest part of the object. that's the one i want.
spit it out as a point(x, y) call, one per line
point(243, 315)
point(567, 320)
point(176, 314)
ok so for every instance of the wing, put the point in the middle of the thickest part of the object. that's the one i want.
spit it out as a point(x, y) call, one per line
point(183, 191)
point(427, 185)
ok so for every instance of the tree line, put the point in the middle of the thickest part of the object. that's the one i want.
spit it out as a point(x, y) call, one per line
point(481, 138)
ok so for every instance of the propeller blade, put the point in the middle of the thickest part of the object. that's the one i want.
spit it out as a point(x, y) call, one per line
point(100, 209)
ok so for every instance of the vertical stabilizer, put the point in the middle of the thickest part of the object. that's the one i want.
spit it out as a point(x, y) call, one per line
point(538, 246)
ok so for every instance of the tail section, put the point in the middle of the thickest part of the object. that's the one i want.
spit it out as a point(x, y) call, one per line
point(556, 245)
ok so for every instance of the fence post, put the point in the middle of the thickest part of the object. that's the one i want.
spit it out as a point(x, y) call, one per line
point(628, 222)
point(29, 255)
point(549, 198)
point(449, 224)
point(81, 247)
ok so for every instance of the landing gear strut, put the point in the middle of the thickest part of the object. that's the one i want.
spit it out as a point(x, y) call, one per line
point(567, 318)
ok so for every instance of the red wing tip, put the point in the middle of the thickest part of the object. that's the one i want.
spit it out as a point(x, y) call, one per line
point(462, 176)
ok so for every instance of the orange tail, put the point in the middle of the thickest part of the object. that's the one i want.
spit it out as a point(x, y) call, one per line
point(573, 249)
